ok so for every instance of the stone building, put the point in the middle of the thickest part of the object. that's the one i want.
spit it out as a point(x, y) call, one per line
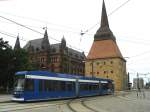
point(105, 59)
point(54, 57)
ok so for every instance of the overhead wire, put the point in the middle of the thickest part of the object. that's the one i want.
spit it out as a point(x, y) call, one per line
point(38, 20)
point(11, 35)
point(21, 25)
point(108, 15)
point(45, 21)
point(82, 32)
point(35, 31)
point(119, 39)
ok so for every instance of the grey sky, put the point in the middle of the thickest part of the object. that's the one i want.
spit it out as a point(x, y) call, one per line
point(130, 24)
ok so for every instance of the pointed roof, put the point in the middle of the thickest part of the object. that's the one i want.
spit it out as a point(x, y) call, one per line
point(45, 42)
point(17, 44)
point(40, 44)
point(63, 41)
point(104, 45)
point(46, 34)
point(104, 18)
point(104, 49)
point(104, 32)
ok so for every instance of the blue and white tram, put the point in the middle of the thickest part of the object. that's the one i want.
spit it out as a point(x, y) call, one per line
point(43, 85)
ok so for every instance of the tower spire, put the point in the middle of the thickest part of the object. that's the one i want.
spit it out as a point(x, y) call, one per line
point(17, 44)
point(104, 18)
point(45, 42)
point(104, 32)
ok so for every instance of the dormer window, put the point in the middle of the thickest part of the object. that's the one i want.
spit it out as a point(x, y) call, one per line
point(43, 47)
point(37, 49)
point(76, 55)
point(54, 50)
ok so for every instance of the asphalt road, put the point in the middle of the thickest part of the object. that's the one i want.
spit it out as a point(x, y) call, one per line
point(122, 102)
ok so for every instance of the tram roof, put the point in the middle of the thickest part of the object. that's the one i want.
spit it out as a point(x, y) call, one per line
point(51, 74)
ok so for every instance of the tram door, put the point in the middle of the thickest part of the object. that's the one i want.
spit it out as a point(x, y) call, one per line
point(36, 88)
point(30, 88)
point(77, 88)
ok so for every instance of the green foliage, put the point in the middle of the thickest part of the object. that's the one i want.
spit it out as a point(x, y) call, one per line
point(5, 62)
point(21, 60)
point(10, 62)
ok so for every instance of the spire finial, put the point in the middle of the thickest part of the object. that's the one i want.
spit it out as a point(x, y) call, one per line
point(45, 34)
point(104, 18)
point(104, 32)
point(45, 42)
point(17, 44)
point(63, 41)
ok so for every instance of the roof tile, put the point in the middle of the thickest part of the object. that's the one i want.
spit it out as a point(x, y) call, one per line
point(104, 49)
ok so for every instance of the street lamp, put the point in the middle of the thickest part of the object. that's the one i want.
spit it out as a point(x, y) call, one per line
point(138, 82)
point(92, 69)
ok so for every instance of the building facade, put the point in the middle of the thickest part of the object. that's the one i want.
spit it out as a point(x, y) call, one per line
point(55, 57)
point(105, 59)
point(138, 83)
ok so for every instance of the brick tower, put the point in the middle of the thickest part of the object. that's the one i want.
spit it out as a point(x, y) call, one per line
point(105, 59)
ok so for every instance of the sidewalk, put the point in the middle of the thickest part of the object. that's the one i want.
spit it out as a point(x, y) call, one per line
point(121, 93)
point(5, 97)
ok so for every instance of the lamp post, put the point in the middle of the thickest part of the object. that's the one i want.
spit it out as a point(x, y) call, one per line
point(138, 82)
point(107, 74)
point(92, 69)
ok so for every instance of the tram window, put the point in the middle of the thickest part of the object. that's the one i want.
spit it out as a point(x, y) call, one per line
point(41, 85)
point(29, 85)
point(88, 87)
point(55, 86)
point(95, 87)
point(63, 86)
point(84, 86)
point(110, 86)
point(104, 85)
point(19, 84)
point(48, 85)
point(69, 86)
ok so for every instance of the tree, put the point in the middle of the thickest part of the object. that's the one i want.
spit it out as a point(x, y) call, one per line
point(21, 60)
point(6, 54)
point(11, 61)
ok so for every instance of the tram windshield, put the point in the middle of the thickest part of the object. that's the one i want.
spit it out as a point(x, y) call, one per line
point(19, 84)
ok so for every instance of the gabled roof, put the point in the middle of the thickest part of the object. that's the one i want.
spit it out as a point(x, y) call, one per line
point(36, 43)
point(55, 48)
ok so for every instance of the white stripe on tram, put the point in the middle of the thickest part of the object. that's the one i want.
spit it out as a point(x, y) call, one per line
point(104, 81)
point(48, 78)
point(17, 99)
point(92, 81)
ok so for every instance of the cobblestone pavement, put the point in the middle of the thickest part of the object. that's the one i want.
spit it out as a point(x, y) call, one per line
point(124, 102)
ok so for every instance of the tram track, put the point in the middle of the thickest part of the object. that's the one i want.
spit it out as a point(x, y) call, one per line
point(5, 101)
point(24, 106)
point(79, 105)
point(83, 103)
point(127, 99)
point(9, 106)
